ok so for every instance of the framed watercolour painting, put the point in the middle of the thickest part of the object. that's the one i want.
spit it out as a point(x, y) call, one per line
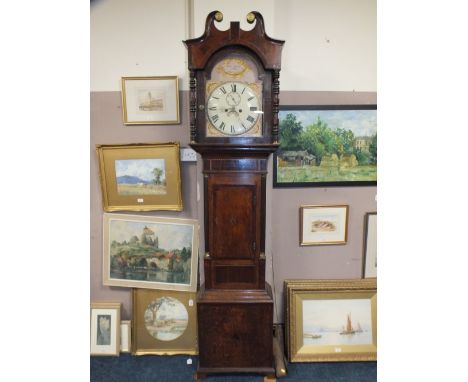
point(140, 177)
point(331, 320)
point(369, 259)
point(150, 252)
point(164, 322)
point(326, 146)
point(105, 328)
point(150, 100)
point(320, 225)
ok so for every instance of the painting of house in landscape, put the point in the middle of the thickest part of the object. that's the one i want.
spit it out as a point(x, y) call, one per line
point(141, 177)
point(150, 254)
point(329, 145)
point(337, 322)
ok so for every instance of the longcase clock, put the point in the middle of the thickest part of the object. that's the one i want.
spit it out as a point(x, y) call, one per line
point(234, 88)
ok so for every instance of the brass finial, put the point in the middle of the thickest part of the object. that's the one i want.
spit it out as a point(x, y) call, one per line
point(250, 17)
point(218, 16)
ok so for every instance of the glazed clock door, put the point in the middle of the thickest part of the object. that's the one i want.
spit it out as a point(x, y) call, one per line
point(234, 234)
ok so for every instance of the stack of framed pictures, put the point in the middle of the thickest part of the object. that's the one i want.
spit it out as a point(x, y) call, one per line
point(158, 257)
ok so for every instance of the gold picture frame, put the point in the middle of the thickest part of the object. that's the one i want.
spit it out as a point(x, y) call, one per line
point(323, 225)
point(164, 322)
point(150, 100)
point(150, 252)
point(105, 328)
point(331, 320)
point(140, 177)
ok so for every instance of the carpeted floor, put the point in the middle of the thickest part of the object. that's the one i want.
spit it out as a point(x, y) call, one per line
point(128, 368)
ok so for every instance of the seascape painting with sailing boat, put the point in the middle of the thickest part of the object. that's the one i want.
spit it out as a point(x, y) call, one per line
point(337, 322)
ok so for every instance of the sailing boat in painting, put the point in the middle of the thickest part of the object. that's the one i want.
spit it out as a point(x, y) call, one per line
point(349, 326)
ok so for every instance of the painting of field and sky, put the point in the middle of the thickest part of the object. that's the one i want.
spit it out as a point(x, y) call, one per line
point(326, 146)
point(141, 177)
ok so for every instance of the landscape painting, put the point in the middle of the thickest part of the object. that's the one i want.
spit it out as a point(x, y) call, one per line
point(331, 320)
point(141, 176)
point(150, 252)
point(326, 146)
point(164, 322)
point(337, 322)
point(166, 318)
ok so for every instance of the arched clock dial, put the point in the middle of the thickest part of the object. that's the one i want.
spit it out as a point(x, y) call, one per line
point(233, 108)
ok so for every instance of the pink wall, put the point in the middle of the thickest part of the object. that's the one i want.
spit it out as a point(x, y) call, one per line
point(289, 260)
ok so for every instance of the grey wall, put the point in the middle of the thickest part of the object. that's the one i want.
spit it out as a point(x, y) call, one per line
point(285, 258)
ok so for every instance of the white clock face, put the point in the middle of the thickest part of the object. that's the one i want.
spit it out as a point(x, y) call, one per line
point(233, 108)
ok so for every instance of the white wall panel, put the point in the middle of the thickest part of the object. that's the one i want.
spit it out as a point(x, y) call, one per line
point(136, 38)
point(331, 45)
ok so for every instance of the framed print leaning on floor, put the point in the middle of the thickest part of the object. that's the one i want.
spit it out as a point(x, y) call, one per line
point(140, 177)
point(331, 320)
point(150, 252)
point(105, 328)
point(164, 322)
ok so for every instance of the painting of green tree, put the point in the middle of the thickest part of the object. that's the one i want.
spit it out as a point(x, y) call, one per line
point(327, 146)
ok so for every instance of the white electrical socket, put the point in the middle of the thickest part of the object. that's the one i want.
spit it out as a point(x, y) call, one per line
point(188, 155)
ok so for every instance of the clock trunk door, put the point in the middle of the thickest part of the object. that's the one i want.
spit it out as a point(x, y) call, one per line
point(233, 211)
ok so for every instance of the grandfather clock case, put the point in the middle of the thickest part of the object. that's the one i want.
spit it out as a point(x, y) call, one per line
point(234, 89)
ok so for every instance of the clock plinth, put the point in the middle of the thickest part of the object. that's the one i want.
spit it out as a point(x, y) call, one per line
point(234, 332)
point(234, 87)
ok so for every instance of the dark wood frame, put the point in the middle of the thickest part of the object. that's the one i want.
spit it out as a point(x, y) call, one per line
point(276, 184)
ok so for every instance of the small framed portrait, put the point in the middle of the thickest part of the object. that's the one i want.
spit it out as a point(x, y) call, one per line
point(150, 100)
point(164, 322)
point(321, 225)
point(105, 328)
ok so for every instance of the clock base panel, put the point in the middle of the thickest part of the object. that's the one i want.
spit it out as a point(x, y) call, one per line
point(235, 331)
